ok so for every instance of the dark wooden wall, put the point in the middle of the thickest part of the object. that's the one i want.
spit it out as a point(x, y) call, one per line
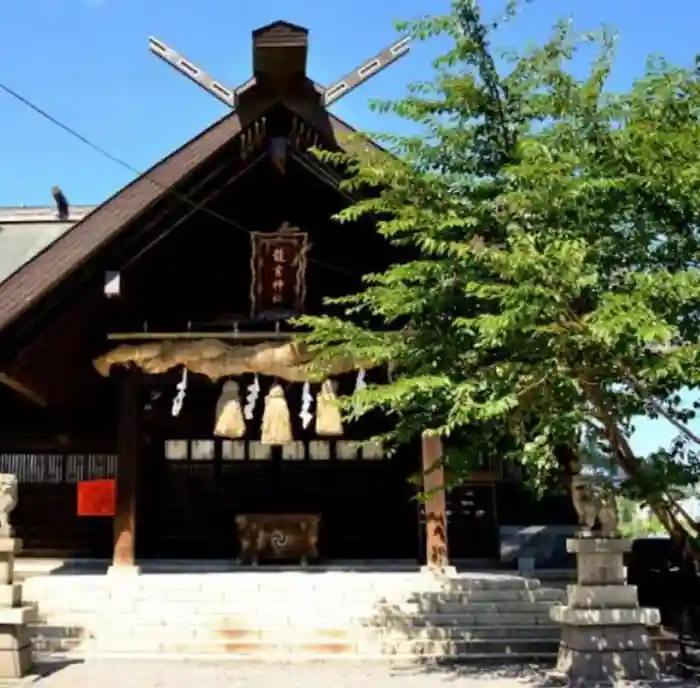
point(201, 272)
point(187, 506)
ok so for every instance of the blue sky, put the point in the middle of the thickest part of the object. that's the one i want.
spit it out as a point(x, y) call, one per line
point(86, 62)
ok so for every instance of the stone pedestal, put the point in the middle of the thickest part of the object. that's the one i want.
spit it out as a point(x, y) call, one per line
point(604, 631)
point(15, 646)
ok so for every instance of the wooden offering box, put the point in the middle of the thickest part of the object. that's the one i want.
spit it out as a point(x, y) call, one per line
point(278, 536)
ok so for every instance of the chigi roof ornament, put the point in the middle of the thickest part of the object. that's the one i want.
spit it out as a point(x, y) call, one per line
point(280, 49)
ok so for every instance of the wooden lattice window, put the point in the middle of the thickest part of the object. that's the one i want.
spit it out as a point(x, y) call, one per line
point(56, 468)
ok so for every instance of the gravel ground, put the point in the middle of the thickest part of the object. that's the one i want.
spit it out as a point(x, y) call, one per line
point(183, 674)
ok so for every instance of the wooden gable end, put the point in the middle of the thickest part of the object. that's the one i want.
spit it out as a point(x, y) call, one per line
point(161, 202)
point(170, 240)
point(37, 279)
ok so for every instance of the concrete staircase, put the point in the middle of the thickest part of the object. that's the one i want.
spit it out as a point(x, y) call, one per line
point(477, 617)
point(295, 615)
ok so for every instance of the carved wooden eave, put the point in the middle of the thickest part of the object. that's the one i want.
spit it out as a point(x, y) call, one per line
point(216, 359)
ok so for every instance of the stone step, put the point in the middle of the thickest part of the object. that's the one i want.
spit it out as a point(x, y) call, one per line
point(426, 630)
point(295, 609)
point(468, 620)
point(493, 581)
point(54, 648)
point(423, 607)
point(491, 607)
point(465, 618)
point(466, 633)
point(534, 647)
point(531, 647)
point(231, 599)
point(507, 595)
point(500, 632)
point(473, 659)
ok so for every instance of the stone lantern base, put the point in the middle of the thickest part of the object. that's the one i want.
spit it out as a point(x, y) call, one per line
point(15, 647)
point(604, 631)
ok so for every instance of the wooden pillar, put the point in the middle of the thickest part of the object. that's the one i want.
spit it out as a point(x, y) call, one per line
point(437, 555)
point(128, 445)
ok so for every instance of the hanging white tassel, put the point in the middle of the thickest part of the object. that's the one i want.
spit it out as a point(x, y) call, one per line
point(276, 421)
point(328, 418)
point(360, 384)
point(229, 416)
point(306, 401)
point(251, 399)
point(179, 399)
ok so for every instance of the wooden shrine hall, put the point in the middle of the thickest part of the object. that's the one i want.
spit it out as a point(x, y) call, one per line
point(153, 403)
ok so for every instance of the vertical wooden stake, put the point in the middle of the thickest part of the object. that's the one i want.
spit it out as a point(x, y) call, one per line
point(128, 443)
point(435, 506)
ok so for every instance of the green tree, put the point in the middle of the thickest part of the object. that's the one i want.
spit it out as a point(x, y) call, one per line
point(554, 232)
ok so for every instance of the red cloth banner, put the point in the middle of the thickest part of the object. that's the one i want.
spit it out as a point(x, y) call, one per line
point(97, 498)
point(278, 267)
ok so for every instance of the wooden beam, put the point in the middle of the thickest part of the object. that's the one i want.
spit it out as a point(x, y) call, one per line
point(191, 71)
point(129, 449)
point(21, 388)
point(228, 334)
point(325, 175)
point(367, 70)
point(437, 555)
point(197, 206)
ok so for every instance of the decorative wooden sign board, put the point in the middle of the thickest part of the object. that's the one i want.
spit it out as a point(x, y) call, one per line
point(97, 498)
point(278, 271)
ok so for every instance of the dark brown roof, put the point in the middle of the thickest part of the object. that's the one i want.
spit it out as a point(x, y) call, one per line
point(40, 275)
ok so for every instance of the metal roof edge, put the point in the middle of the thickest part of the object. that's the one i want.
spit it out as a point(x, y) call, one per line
point(21, 214)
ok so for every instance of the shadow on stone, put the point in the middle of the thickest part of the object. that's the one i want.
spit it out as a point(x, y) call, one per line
point(45, 669)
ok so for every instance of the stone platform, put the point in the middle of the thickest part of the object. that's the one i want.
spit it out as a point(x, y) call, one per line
point(294, 614)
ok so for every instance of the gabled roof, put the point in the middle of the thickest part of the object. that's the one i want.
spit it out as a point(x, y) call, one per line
point(40, 275)
point(73, 247)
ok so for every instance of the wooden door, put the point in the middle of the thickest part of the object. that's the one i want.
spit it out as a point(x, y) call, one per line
point(472, 525)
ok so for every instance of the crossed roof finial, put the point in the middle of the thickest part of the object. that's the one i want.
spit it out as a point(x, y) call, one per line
point(268, 43)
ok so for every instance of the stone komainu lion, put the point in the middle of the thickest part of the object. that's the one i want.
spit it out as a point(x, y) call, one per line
point(8, 501)
point(594, 504)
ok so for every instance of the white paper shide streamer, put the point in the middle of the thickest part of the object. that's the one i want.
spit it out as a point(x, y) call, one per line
point(251, 399)
point(360, 384)
point(306, 400)
point(179, 399)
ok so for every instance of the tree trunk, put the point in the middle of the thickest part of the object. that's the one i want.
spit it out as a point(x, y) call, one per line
point(631, 465)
